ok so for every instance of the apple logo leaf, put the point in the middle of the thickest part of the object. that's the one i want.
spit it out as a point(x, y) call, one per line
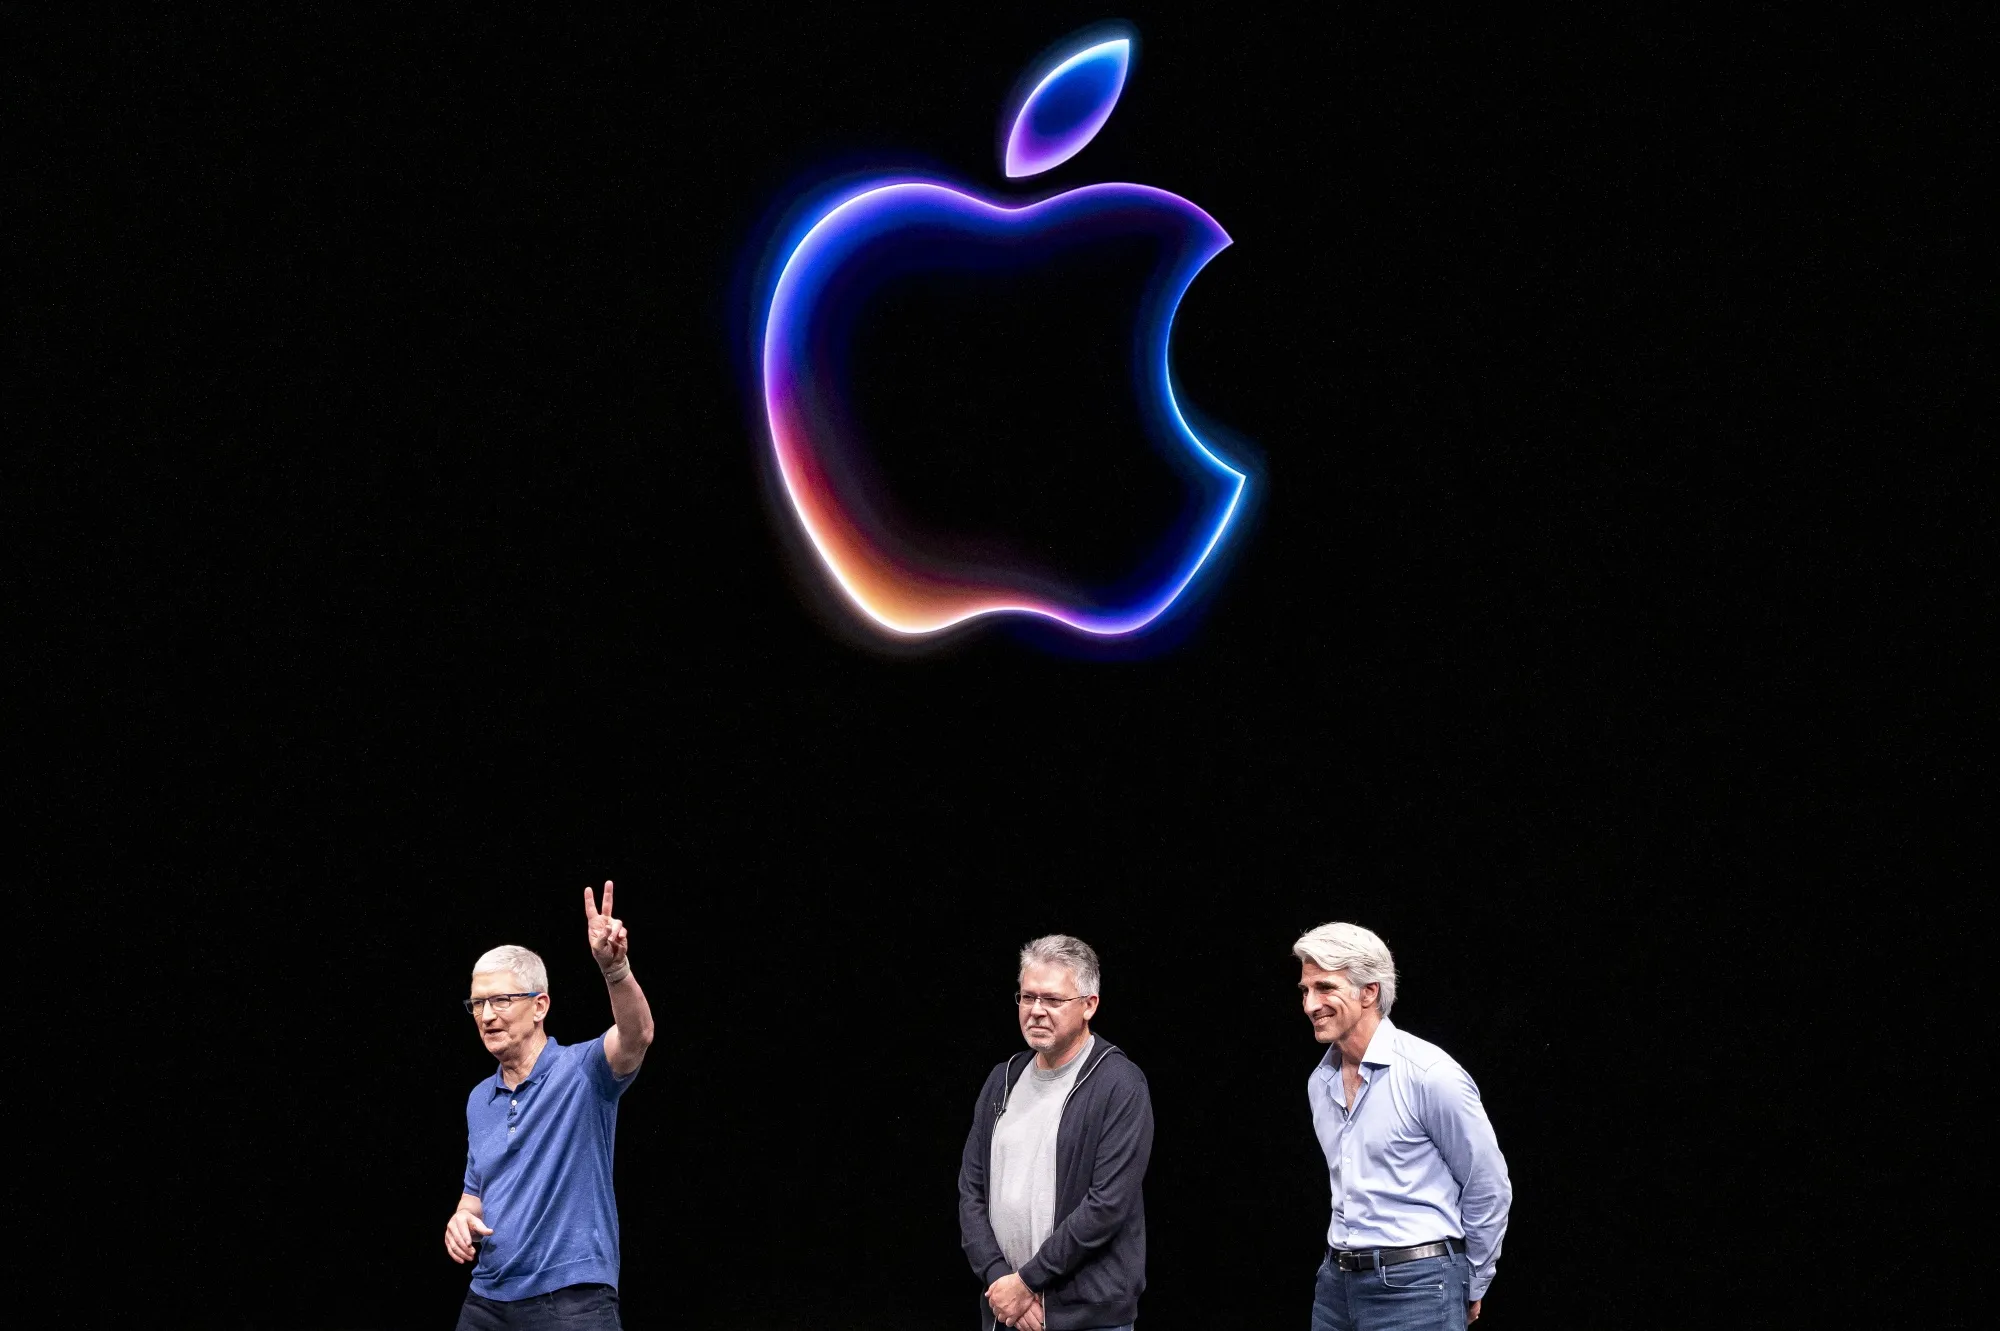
point(1067, 108)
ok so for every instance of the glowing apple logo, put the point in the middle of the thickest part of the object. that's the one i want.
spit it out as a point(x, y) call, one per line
point(905, 226)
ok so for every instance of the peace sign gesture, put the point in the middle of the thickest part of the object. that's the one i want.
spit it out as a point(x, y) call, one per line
point(607, 933)
point(625, 1043)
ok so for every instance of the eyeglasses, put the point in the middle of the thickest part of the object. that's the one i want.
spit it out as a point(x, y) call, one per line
point(500, 1002)
point(1048, 1001)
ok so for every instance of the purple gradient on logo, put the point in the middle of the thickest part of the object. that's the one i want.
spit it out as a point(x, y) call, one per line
point(1067, 108)
point(900, 588)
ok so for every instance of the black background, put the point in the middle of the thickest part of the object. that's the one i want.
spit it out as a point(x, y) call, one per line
point(424, 569)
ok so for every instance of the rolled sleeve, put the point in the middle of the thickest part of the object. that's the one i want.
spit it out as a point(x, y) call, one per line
point(1457, 1123)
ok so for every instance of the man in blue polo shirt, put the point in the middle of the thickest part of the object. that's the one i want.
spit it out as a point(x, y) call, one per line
point(538, 1215)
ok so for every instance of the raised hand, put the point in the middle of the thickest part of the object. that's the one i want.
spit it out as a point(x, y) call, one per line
point(632, 1019)
point(608, 941)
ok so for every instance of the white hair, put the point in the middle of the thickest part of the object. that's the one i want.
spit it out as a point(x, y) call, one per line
point(1351, 948)
point(526, 966)
point(1071, 953)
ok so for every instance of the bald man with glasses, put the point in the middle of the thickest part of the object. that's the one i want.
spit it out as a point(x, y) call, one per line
point(537, 1214)
point(1050, 1208)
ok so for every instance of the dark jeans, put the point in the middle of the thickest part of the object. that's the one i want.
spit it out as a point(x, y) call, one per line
point(1428, 1294)
point(571, 1308)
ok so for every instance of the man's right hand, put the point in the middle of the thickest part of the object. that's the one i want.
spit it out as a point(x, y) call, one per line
point(458, 1236)
point(1010, 1298)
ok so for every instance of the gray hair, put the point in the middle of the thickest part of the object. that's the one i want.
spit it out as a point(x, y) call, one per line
point(1351, 948)
point(526, 966)
point(1061, 950)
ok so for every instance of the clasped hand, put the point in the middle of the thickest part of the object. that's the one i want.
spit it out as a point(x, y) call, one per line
point(1014, 1304)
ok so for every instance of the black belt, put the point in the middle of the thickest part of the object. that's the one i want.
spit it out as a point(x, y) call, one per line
point(1366, 1261)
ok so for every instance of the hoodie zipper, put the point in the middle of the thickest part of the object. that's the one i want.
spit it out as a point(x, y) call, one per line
point(1007, 1091)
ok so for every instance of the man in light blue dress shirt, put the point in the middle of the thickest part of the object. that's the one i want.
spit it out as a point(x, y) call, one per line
point(1420, 1191)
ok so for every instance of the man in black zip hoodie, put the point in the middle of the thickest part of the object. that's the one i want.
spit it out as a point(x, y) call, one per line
point(1050, 1210)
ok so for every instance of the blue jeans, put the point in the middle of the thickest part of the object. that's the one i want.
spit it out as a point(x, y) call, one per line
point(1428, 1294)
point(571, 1308)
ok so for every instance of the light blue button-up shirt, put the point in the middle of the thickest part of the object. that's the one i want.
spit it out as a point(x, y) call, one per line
point(1415, 1160)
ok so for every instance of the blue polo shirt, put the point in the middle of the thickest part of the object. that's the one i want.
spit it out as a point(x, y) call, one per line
point(539, 1160)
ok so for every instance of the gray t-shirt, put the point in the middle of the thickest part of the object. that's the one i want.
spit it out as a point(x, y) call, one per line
point(1021, 1174)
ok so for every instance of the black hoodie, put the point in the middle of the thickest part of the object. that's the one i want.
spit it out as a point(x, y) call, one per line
point(1092, 1268)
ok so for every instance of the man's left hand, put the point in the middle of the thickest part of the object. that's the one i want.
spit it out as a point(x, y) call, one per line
point(608, 940)
point(1032, 1320)
point(1472, 1311)
point(1010, 1298)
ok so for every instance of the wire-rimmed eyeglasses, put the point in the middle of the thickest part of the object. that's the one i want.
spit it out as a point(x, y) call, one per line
point(1049, 1001)
point(500, 1002)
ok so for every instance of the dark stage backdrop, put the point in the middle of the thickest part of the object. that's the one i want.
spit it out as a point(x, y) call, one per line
point(434, 575)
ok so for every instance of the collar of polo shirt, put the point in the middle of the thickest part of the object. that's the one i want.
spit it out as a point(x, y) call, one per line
point(542, 1063)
